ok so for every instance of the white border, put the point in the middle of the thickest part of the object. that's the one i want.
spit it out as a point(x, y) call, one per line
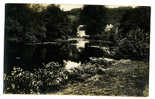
point(1, 46)
point(98, 2)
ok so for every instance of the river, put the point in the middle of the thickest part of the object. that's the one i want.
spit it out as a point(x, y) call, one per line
point(71, 53)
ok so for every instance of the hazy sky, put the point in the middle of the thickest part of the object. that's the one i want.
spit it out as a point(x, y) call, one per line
point(67, 7)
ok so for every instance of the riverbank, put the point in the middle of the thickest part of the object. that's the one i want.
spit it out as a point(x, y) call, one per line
point(122, 78)
point(100, 76)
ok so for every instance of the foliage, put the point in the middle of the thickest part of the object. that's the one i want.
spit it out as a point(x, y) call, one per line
point(48, 78)
point(114, 15)
point(23, 23)
point(21, 82)
point(93, 16)
point(133, 37)
point(136, 18)
point(51, 77)
point(74, 17)
point(130, 38)
point(34, 23)
point(97, 77)
point(57, 23)
point(130, 31)
point(134, 45)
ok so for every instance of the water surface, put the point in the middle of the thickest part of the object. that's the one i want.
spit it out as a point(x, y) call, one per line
point(70, 54)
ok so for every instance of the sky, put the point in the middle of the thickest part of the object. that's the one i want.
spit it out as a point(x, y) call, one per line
point(67, 7)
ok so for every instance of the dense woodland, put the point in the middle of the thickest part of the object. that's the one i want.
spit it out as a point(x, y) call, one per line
point(34, 23)
point(128, 38)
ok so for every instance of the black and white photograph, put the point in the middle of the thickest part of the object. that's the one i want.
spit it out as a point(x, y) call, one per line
point(76, 49)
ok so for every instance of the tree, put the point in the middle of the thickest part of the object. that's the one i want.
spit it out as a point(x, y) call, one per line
point(93, 16)
point(136, 18)
point(24, 23)
point(57, 23)
point(135, 34)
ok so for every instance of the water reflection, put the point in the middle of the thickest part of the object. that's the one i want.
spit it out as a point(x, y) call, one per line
point(69, 55)
point(81, 43)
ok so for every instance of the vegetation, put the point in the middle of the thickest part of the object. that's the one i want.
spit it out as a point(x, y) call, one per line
point(50, 77)
point(74, 16)
point(94, 18)
point(118, 37)
point(134, 32)
point(130, 33)
point(92, 78)
point(34, 23)
point(23, 24)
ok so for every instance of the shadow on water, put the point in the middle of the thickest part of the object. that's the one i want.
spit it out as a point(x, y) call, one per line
point(34, 56)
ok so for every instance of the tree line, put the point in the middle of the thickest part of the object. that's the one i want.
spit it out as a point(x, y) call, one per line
point(35, 23)
point(130, 32)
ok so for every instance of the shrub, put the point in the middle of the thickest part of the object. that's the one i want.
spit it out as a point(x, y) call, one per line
point(50, 77)
point(134, 45)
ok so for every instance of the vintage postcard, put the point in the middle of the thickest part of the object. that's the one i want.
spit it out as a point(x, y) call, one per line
point(64, 49)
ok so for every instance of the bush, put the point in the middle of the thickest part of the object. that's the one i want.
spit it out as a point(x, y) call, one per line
point(134, 45)
point(21, 82)
point(49, 78)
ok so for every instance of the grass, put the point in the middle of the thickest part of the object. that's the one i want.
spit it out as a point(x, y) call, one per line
point(122, 79)
point(97, 77)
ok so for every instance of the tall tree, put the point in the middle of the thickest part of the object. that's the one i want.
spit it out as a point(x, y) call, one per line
point(23, 23)
point(136, 18)
point(93, 16)
point(57, 22)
